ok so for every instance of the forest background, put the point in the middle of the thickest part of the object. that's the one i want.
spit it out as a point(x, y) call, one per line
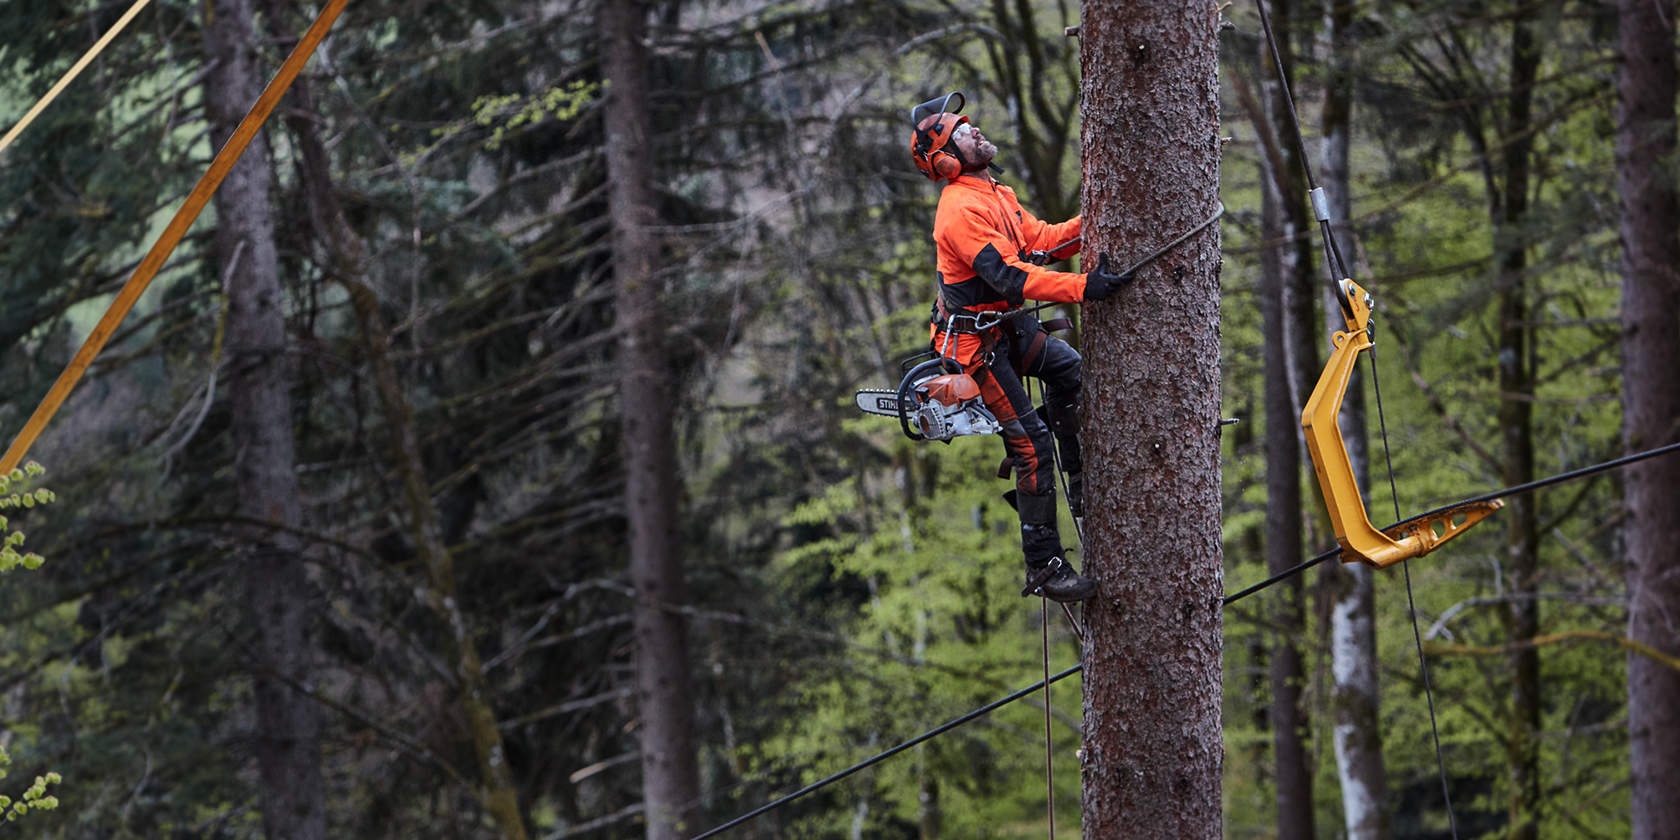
point(459, 619)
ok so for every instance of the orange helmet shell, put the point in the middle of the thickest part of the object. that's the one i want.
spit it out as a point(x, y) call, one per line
point(935, 121)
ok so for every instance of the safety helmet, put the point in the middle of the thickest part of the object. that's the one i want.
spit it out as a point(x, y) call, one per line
point(935, 121)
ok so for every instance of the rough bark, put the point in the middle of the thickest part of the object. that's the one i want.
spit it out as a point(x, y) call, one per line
point(496, 788)
point(1152, 747)
point(1286, 297)
point(670, 779)
point(1645, 154)
point(1354, 698)
point(278, 594)
point(1516, 424)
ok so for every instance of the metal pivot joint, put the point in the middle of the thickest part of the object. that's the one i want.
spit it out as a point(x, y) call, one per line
point(1360, 540)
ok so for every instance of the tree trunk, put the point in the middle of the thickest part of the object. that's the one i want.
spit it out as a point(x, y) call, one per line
point(1357, 733)
point(1516, 424)
point(1645, 152)
point(670, 778)
point(288, 725)
point(345, 259)
point(1152, 747)
point(1285, 263)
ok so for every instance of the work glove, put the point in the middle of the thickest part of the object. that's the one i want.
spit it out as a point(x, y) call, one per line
point(1102, 281)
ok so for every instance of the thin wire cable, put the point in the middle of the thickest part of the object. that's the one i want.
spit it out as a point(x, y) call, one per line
point(870, 762)
point(1513, 490)
point(1333, 252)
point(1417, 636)
point(1049, 754)
point(1067, 496)
point(71, 74)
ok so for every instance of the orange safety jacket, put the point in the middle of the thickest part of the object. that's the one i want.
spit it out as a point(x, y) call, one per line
point(983, 238)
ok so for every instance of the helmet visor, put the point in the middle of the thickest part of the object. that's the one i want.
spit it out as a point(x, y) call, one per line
point(952, 102)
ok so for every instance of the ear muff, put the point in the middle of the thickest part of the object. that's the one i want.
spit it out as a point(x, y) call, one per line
point(928, 146)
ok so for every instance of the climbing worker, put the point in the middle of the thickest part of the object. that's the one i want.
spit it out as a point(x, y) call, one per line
point(986, 248)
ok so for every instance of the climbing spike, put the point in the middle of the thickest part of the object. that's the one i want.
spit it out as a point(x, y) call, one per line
point(1360, 540)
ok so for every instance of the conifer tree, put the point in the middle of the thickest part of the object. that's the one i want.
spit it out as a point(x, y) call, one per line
point(1150, 422)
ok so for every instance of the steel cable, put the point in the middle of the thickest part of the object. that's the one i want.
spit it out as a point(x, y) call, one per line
point(1518, 489)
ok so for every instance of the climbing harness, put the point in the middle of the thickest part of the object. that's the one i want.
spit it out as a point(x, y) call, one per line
point(71, 74)
point(172, 234)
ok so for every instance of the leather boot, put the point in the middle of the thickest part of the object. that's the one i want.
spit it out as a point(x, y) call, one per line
point(1048, 571)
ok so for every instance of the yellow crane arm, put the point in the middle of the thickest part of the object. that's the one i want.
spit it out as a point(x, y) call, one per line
point(1360, 540)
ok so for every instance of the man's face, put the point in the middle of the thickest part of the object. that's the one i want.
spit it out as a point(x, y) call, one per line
point(976, 150)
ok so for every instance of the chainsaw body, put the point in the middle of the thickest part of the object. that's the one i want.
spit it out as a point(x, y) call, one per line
point(936, 400)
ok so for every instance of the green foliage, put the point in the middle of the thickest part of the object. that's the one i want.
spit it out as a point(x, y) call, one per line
point(507, 113)
point(852, 589)
point(15, 497)
point(15, 494)
point(35, 798)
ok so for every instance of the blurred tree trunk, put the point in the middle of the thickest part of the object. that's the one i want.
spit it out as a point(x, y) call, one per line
point(1502, 140)
point(670, 778)
point(1152, 746)
point(1645, 154)
point(1516, 424)
point(1286, 297)
point(1354, 698)
point(347, 266)
point(288, 725)
point(1036, 77)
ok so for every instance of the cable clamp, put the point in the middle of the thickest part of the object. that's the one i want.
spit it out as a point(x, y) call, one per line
point(1321, 205)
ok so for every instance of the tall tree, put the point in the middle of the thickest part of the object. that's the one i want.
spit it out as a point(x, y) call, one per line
point(1152, 750)
point(670, 778)
point(1499, 124)
point(1645, 154)
point(1286, 304)
point(288, 724)
point(346, 264)
point(1356, 733)
point(1509, 202)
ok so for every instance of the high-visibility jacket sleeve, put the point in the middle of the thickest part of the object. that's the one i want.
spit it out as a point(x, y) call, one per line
point(1042, 236)
point(977, 241)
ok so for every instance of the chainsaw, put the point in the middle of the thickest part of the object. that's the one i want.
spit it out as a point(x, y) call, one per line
point(936, 400)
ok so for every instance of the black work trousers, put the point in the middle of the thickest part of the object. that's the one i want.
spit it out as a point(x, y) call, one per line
point(1024, 349)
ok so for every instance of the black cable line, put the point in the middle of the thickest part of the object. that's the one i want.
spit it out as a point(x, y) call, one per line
point(940, 730)
point(1411, 607)
point(1514, 490)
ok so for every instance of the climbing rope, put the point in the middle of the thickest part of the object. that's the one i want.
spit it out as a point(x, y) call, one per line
point(1529, 487)
point(172, 234)
point(70, 75)
point(1049, 754)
